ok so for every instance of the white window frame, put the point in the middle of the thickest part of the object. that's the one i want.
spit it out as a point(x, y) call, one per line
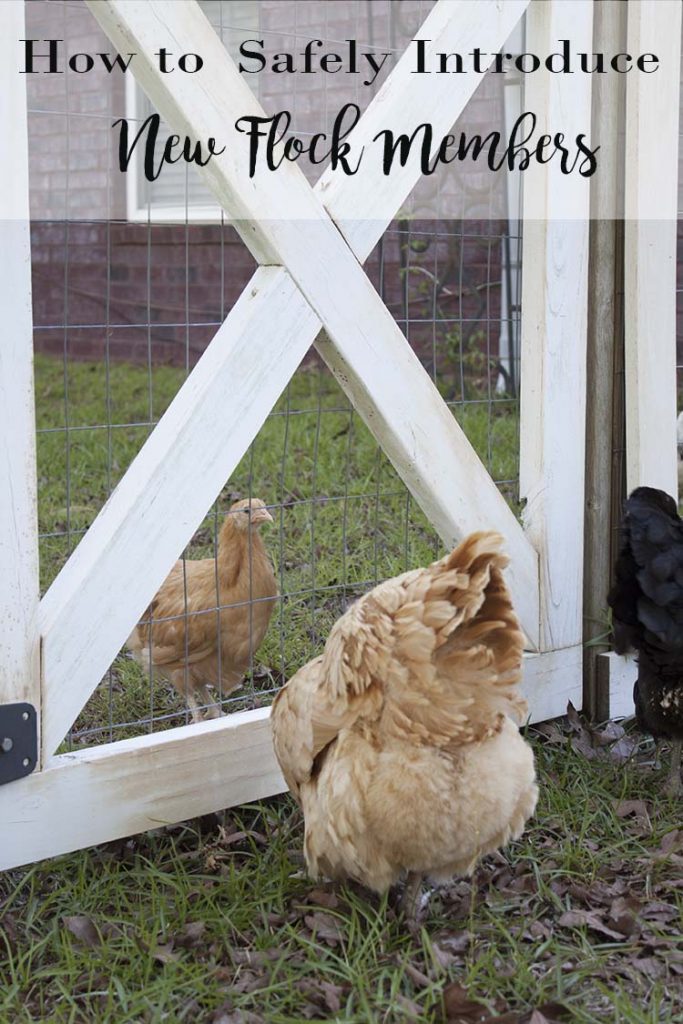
point(138, 211)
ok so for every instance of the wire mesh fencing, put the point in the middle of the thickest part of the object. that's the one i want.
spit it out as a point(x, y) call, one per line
point(130, 284)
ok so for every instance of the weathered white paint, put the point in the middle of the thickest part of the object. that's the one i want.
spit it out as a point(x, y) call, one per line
point(554, 307)
point(282, 220)
point(551, 680)
point(623, 672)
point(407, 100)
point(19, 638)
point(114, 572)
point(115, 790)
point(201, 438)
point(107, 792)
point(652, 106)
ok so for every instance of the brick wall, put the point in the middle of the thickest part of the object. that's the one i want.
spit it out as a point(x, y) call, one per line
point(158, 292)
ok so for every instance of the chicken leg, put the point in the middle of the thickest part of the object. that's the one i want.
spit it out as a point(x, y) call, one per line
point(411, 895)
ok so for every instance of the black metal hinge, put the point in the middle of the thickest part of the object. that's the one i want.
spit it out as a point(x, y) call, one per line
point(18, 741)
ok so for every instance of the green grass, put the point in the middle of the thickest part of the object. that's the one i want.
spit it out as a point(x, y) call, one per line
point(191, 922)
point(343, 519)
point(217, 924)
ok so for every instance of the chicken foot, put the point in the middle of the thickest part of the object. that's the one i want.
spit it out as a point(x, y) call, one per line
point(211, 705)
point(673, 786)
point(198, 699)
point(194, 706)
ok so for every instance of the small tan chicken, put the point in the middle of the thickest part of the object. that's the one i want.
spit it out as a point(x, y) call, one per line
point(185, 638)
point(401, 742)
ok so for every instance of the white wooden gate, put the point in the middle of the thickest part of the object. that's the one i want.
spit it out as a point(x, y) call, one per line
point(55, 651)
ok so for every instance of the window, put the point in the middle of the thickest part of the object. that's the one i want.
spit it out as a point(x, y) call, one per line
point(179, 193)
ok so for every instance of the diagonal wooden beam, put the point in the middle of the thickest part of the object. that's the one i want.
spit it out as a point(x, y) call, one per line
point(82, 626)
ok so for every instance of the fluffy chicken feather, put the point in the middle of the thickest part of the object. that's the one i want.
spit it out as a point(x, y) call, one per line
point(400, 741)
point(184, 636)
point(647, 606)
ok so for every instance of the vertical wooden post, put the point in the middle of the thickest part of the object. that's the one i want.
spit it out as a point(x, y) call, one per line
point(604, 322)
point(554, 300)
point(20, 646)
point(652, 104)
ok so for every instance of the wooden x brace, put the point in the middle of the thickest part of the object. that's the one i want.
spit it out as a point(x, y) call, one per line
point(310, 286)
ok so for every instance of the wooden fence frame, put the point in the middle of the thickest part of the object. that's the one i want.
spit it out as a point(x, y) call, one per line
point(650, 246)
point(106, 792)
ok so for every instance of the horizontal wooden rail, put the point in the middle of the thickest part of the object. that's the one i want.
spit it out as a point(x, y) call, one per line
point(106, 792)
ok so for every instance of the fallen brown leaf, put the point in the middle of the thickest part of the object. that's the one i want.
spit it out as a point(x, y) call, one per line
point(581, 737)
point(411, 1009)
point(657, 911)
point(549, 1013)
point(83, 929)
point(590, 919)
point(325, 927)
point(323, 898)
point(247, 981)
point(623, 915)
point(650, 967)
point(603, 892)
point(418, 977)
point(9, 928)
point(537, 930)
point(456, 942)
point(524, 883)
point(458, 1008)
point(254, 957)
point(190, 935)
point(636, 808)
point(323, 993)
point(670, 844)
point(624, 749)
point(165, 954)
point(231, 1016)
point(551, 733)
point(579, 892)
point(332, 995)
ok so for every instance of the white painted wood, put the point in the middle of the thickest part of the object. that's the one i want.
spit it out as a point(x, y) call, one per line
point(429, 450)
point(120, 788)
point(551, 680)
point(106, 792)
point(136, 209)
point(282, 220)
point(407, 100)
point(652, 107)
point(554, 320)
point(19, 646)
point(95, 601)
point(201, 438)
point(623, 675)
point(623, 672)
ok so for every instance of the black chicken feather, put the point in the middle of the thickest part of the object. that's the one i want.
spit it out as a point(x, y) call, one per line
point(647, 607)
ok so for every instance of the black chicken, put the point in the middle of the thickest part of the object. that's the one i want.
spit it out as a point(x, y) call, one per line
point(647, 606)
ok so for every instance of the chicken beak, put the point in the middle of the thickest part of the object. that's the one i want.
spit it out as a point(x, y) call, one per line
point(261, 515)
